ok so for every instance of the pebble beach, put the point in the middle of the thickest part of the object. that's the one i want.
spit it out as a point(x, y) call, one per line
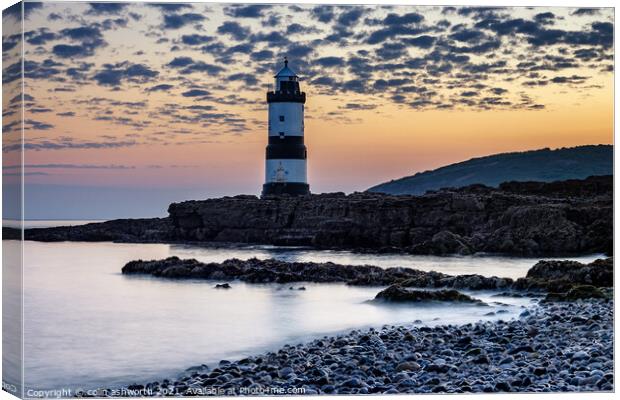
point(551, 347)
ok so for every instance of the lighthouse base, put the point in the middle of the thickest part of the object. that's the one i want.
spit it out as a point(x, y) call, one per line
point(285, 188)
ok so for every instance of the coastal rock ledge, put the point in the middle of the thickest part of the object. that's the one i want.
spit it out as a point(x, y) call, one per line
point(518, 218)
point(526, 218)
point(554, 277)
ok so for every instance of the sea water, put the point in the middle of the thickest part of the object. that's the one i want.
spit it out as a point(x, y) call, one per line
point(87, 325)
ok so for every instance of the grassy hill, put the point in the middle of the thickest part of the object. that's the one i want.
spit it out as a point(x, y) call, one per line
point(543, 165)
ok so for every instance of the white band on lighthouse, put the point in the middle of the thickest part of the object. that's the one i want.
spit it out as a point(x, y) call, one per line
point(285, 171)
point(286, 119)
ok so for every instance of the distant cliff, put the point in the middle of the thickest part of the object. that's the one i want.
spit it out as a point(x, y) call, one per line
point(543, 165)
point(531, 218)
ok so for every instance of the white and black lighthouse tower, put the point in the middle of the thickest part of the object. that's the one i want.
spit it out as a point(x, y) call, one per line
point(285, 167)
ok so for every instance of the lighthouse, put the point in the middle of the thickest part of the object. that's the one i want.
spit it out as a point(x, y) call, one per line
point(285, 166)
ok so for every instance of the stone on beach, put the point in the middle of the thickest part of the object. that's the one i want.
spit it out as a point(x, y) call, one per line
point(223, 286)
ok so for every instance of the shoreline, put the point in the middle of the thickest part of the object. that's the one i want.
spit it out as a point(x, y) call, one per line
point(550, 347)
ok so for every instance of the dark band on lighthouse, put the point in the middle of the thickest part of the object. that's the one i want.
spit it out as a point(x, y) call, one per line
point(285, 166)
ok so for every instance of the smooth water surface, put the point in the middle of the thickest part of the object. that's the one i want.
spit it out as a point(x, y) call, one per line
point(45, 223)
point(89, 326)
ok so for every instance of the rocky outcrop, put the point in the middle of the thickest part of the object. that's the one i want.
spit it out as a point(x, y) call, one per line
point(561, 276)
point(546, 276)
point(519, 218)
point(434, 279)
point(399, 294)
point(581, 292)
point(273, 271)
point(145, 230)
point(527, 218)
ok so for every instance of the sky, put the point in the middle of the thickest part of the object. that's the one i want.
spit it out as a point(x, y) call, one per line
point(130, 106)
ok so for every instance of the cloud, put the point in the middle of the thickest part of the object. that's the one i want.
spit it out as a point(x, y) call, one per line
point(13, 126)
point(31, 124)
point(106, 8)
point(69, 144)
point(39, 110)
point(164, 87)
point(275, 39)
point(323, 14)
point(324, 81)
point(196, 93)
point(467, 35)
point(69, 166)
point(485, 67)
point(355, 85)
point(240, 48)
point(391, 32)
point(9, 42)
point(25, 174)
point(234, 29)
point(350, 17)
point(569, 79)
point(360, 67)
point(537, 35)
point(358, 106)
point(39, 37)
point(243, 11)
point(391, 51)
point(398, 55)
point(405, 19)
point(83, 33)
point(43, 70)
point(262, 55)
point(545, 18)
point(199, 107)
point(479, 12)
point(170, 7)
point(54, 17)
point(196, 39)
point(115, 74)
point(383, 84)
point(113, 23)
point(188, 65)
point(295, 28)
point(299, 51)
point(248, 79)
point(328, 62)
point(484, 47)
point(78, 72)
point(423, 41)
point(90, 39)
point(181, 62)
point(66, 114)
point(69, 51)
point(586, 11)
point(469, 93)
point(15, 10)
point(176, 21)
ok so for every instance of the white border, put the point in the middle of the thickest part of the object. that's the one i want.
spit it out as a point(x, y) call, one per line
point(544, 3)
